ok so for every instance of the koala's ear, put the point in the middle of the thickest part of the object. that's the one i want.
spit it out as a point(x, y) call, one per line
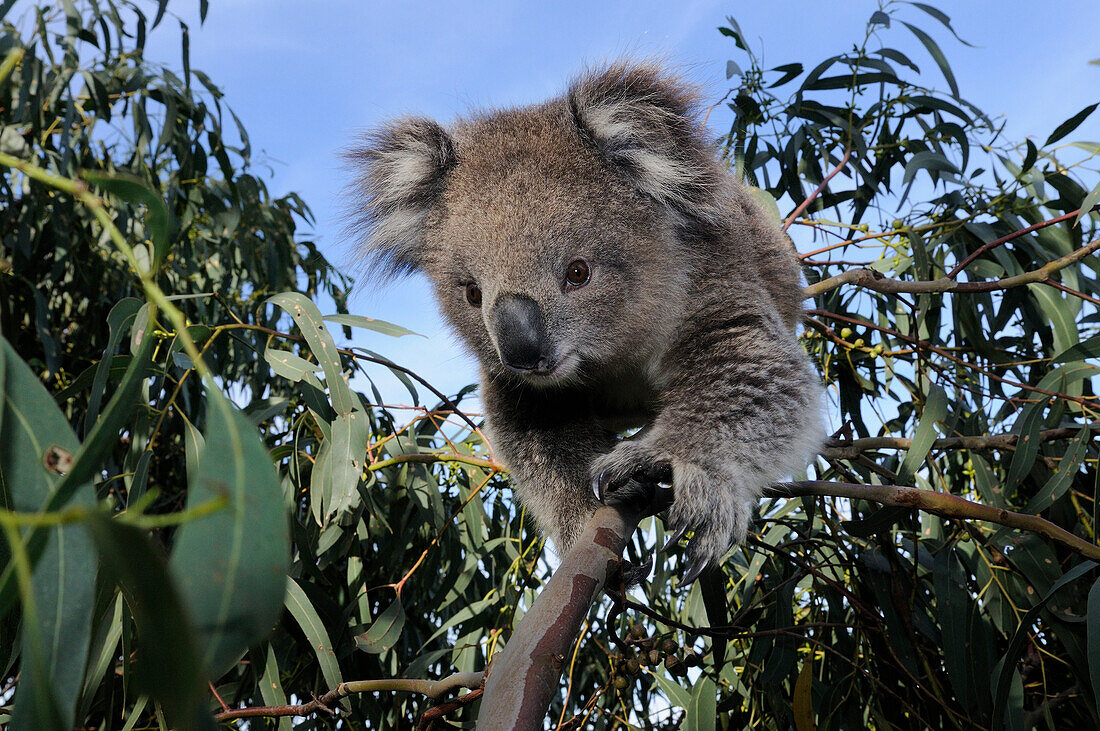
point(643, 120)
point(401, 169)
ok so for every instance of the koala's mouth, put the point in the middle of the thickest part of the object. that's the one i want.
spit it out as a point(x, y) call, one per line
point(546, 371)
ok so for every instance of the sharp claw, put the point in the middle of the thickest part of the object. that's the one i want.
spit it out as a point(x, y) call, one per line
point(697, 567)
point(674, 538)
point(600, 484)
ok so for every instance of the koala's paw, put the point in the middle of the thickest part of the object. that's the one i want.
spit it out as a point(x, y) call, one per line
point(713, 504)
point(632, 475)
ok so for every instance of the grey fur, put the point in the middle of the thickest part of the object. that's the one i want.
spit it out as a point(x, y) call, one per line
point(687, 323)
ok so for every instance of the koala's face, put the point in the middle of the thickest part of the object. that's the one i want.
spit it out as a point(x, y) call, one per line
point(548, 264)
point(549, 231)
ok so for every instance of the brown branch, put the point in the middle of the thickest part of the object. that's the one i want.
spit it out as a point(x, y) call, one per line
point(526, 674)
point(817, 191)
point(1073, 292)
point(942, 504)
point(434, 689)
point(942, 352)
point(1005, 239)
point(433, 714)
point(852, 448)
point(876, 281)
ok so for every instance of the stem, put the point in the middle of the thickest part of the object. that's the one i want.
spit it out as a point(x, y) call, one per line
point(434, 689)
point(870, 279)
point(942, 504)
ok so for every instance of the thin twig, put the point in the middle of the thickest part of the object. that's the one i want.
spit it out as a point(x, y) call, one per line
point(1005, 239)
point(942, 504)
point(817, 191)
point(851, 448)
point(434, 689)
point(876, 281)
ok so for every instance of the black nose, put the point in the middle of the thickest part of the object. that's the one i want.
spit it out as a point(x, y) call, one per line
point(521, 333)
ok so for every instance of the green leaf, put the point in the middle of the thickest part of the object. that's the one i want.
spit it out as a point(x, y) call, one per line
point(385, 631)
point(1088, 204)
point(1027, 445)
point(135, 190)
point(943, 18)
point(168, 661)
point(36, 445)
point(803, 696)
point(230, 565)
point(306, 616)
point(119, 321)
point(288, 365)
point(1059, 311)
point(1092, 621)
point(1060, 481)
point(1088, 349)
point(935, 409)
point(676, 695)
point(381, 326)
point(1004, 677)
point(1070, 124)
point(345, 454)
point(879, 18)
point(702, 710)
point(927, 160)
point(937, 55)
point(311, 323)
point(732, 69)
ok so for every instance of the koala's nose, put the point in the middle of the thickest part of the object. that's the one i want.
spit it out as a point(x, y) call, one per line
point(521, 333)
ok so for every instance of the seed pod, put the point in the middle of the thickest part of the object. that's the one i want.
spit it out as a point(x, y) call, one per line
point(638, 632)
point(669, 646)
point(632, 666)
point(621, 682)
point(654, 657)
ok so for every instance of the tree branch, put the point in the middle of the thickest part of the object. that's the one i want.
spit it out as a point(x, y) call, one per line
point(812, 196)
point(876, 281)
point(434, 689)
point(852, 448)
point(525, 675)
point(942, 504)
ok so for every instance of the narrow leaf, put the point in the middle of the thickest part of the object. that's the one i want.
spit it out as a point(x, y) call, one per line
point(311, 323)
point(937, 55)
point(1070, 124)
point(381, 326)
point(36, 446)
point(306, 616)
point(384, 633)
point(230, 565)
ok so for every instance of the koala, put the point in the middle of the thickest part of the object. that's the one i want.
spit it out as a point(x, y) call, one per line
point(609, 273)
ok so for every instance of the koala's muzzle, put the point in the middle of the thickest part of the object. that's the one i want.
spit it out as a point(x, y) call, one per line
point(521, 334)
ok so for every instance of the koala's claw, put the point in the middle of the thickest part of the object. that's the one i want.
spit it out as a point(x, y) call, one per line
point(696, 567)
point(674, 538)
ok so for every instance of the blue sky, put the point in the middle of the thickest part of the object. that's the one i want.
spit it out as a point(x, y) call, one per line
point(305, 76)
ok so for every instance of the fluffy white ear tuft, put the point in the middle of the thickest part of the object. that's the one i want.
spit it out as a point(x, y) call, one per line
point(643, 119)
point(401, 171)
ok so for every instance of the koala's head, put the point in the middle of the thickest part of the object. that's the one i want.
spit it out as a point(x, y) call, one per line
point(553, 234)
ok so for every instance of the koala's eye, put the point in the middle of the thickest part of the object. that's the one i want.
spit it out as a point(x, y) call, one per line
point(577, 273)
point(473, 294)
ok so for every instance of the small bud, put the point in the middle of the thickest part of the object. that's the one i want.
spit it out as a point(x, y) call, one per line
point(846, 332)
